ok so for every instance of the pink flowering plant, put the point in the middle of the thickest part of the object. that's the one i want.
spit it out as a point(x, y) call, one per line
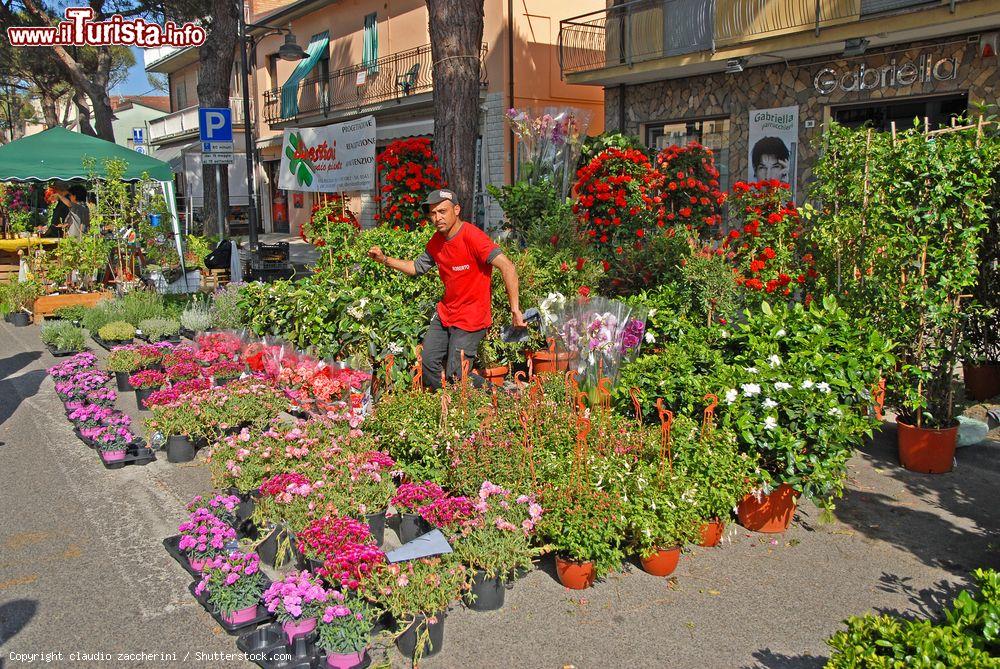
point(234, 582)
point(215, 346)
point(178, 355)
point(183, 371)
point(110, 439)
point(291, 499)
point(81, 383)
point(90, 415)
point(299, 596)
point(204, 536)
point(77, 363)
point(124, 359)
point(103, 396)
point(179, 418)
point(497, 538)
point(426, 586)
point(146, 379)
point(411, 497)
point(222, 507)
point(176, 391)
point(345, 547)
point(345, 626)
point(369, 481)
point(225, 369)
point(447, 512)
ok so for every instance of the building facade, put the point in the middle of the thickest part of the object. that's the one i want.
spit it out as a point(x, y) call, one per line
point(374, 58)
point(757, 82)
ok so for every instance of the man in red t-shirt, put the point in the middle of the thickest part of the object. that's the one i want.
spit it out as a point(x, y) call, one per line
point(465, 257)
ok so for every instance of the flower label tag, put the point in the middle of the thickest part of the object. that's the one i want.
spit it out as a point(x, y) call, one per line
point(426, 545)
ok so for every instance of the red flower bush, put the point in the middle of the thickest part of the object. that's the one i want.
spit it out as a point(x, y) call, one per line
point(411, 497)
point(408, 171)
point(327, 214)
point(691, 191)
point(345, 546)
point(618, 200)
point(767, 251)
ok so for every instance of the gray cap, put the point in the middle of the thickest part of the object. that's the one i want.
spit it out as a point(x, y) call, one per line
point(439, 196)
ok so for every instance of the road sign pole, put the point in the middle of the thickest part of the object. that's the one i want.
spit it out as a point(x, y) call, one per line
point(218, 201)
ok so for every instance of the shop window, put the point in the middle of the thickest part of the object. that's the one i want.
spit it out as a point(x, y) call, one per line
point(938, 111)
point(712, 133)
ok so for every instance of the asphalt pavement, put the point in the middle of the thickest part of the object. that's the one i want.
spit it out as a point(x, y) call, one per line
point(83, 571)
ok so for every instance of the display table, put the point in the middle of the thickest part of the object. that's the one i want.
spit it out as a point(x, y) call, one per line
point(13, 245)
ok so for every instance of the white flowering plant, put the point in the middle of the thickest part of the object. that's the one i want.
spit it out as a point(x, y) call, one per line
point(797, 393)
point(660, 509)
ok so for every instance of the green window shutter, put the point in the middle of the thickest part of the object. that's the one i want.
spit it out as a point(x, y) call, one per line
point(290, 89)
point(369, 57)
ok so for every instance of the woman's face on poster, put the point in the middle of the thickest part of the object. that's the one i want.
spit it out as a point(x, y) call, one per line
point(771, 167)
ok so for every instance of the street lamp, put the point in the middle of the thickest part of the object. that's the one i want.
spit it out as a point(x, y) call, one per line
point(288, 51)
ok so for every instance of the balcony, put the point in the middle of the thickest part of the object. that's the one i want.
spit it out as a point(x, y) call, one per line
point(646, 30)
point(396, 79)
point(184, 123)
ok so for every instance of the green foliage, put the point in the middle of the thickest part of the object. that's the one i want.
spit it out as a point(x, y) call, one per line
point(717, 473)
point(18, 296)
point(226, 313)
point(72, 313)
point(596, 143)
point(525, 204)
point(798, 392)
point(141, 305)
point(584, 523)
point(86, 255)
point(158, 329)
point(117, 331)
point(197, 317)
point(898, 239)
point(64, 336)
point(349, 633)
point(969, 635)
point(124, 359)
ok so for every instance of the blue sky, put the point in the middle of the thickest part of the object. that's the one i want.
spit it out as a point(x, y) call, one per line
point(137, 84)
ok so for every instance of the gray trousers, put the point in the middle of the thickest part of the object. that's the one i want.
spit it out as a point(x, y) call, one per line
point(443, 348)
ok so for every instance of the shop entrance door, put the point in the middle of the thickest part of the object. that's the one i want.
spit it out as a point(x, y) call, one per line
point(938, 111)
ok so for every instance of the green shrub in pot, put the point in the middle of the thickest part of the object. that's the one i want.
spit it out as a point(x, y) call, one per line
point(64, 336)
point(117, 331)
point(158, 329)
point(125, 359)
point(659, 510)
point(196, 317)
point(584, 524)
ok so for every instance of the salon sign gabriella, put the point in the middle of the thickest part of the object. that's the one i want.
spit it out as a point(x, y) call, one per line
point(894, 74)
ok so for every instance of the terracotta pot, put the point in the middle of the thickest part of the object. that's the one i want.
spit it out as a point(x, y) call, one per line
point(771, 513)
point(575, 575)
point(981, 381)
point(543, 362)
point(711, 533)
point(496, 375)
point(662, 562)
point(926, 450)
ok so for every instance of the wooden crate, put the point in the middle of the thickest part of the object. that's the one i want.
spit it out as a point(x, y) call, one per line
point(214, 278)
point(47, 305)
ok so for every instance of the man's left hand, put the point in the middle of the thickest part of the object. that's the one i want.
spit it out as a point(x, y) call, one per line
point(518, 319)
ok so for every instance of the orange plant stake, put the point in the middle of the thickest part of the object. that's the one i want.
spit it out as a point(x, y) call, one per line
point(390, 360)
point(666, 421)
point(418, 369)
point(445, 403)
point(709, 417)
point(520, 379)
point(604, 389)
point(581, 403)
point(528, 445)
point(580, 455)
point(634, 394)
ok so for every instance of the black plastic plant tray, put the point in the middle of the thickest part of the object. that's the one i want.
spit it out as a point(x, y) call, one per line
point(56, 353)
point(108, 345)
point(263, 615)
point(137, 456)
point(268, 648)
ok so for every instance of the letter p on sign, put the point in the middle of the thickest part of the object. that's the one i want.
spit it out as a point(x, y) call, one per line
point(215, 124)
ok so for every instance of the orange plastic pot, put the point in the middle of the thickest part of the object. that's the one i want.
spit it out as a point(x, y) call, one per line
point(926, 450)
point(771, 513)
point(496, 375)
point(711, 533)
point(981, 381)
point(662, 562)
point(575, 575)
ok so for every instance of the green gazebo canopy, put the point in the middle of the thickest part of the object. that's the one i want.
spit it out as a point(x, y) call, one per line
point(58, 153)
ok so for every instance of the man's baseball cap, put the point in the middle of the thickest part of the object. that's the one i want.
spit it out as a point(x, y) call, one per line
point(439, 196)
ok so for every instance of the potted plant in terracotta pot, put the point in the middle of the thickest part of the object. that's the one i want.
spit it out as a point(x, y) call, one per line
point(718, 474)
point(235, 584)
point(495, 543)
point(417, 594)
point(981, 352)
point(797, 398)
point(344, 631)
point(298, 601)
point(585, 526)
point(124, 361)
point(661, 516)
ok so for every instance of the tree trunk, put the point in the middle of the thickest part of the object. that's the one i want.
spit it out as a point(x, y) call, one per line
point(456, 30)
point(214, 86)
point(48, 104)
point(83, 113)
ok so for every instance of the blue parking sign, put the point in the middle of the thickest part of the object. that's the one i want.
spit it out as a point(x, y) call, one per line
point(215, 124)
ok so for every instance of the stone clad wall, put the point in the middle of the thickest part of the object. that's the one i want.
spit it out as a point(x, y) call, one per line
point(781, 84)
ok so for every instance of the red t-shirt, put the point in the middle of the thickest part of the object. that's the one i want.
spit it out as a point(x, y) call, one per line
point(464, 265)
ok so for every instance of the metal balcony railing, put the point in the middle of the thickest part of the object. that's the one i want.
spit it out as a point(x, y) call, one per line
point(643, 30)
point(395, 77)
point(185, 122)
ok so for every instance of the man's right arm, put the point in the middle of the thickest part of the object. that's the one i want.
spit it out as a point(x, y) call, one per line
point(408, 267)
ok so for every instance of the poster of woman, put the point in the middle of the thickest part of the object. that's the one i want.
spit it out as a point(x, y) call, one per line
point(773, 144)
